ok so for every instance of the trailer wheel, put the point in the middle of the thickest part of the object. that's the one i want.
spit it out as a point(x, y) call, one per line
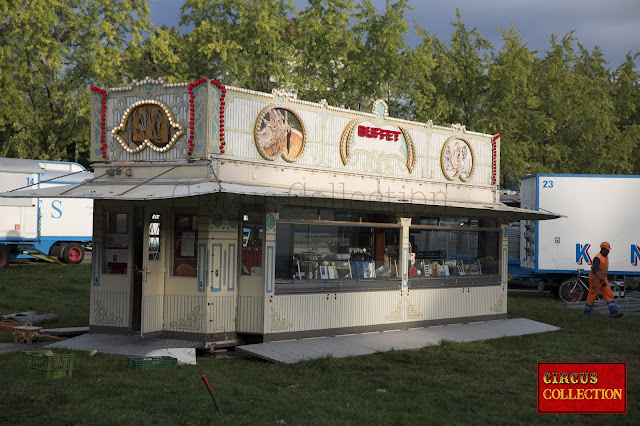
point(73, 253)
point(4, 256)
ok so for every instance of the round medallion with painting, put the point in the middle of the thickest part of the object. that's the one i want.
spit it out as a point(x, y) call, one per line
point(279, 131)
point(456, 159)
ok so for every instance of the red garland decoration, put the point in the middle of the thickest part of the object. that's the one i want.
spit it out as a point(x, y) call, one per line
point(222, 96)
point(191, 111)
point(103, 108)
point(495, 151)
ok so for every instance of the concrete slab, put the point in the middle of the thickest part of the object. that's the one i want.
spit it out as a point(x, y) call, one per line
point(364, 344)
point(120, 345)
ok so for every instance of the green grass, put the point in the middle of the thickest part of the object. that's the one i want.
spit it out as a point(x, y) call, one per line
point(491, 382)
point(47, 289)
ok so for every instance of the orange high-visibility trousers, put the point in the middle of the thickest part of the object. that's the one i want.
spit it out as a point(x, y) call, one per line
point(594, 288)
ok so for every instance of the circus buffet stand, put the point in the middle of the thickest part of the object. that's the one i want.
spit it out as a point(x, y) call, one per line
point(231, 216)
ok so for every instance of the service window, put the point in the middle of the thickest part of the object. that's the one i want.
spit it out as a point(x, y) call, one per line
point(335, 252)
point(117, 241)
point(185, 238)
point(460, 248)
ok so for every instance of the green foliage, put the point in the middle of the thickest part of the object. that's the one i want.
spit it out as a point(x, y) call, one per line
point(326, 53)
point(161, 54)
point(562, 111)
point(51, 51)
point(383, 58)
point(460, 74)
point(249, 42)
point(512, 108)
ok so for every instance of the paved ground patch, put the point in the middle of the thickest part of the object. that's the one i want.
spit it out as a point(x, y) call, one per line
point(363, 344)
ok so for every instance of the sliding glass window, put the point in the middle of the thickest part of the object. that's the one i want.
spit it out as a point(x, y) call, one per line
point(312, 252)
point(456, 251)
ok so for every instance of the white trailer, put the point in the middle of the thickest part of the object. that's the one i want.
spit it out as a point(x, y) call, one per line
point(58, 227)
point(594, 208)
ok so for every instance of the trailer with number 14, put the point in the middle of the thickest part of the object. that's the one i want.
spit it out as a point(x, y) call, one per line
point(54, 228)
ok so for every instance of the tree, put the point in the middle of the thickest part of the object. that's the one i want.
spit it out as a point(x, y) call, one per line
point(163, 53)
point(626, 95)
point(51, 52)
point(424, 101)
point(460, 73)
point(577, 96)
point(326, 49)
point(384, 56)
point(512, 108)
point(242, 42)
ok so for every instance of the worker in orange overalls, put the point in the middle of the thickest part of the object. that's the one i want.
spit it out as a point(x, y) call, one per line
point(598, 282)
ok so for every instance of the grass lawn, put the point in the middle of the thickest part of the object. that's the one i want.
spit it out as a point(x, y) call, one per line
point(490, 382)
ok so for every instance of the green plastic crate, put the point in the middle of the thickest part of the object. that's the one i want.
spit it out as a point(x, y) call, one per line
point(53, 366)
point(152, 363)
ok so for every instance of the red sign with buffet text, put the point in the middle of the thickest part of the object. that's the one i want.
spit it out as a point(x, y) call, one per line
point(582, 388)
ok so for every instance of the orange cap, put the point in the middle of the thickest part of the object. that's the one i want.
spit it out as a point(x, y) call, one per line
point(605, 245)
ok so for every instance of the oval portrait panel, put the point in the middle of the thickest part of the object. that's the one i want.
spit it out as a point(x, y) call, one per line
point(456, 159)
point(148, 123)
point(279, 131)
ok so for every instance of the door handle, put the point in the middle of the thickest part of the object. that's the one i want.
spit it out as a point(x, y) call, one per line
point(145, 273)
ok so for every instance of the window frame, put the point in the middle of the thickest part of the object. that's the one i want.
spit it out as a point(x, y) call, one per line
point(109, 247)
point(190, 261)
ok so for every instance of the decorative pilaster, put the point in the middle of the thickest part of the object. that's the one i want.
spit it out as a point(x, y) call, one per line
point(269, 274)
point(405, 251)
point(504, 258)
point(269, 261)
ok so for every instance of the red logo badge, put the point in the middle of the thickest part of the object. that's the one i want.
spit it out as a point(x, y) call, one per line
point(582, 388)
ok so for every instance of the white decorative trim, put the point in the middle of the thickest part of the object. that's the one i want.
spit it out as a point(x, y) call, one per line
point(277, 93)
point(385, 111)
point(147, 80)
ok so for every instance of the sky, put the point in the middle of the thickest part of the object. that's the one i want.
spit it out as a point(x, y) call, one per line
point(613, 25)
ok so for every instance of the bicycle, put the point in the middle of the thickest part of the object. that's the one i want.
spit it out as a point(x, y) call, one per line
point(576, 288)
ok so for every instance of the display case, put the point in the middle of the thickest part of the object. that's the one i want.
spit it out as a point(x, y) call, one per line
point(326, 252)
point(311, 267)
point(445, 267)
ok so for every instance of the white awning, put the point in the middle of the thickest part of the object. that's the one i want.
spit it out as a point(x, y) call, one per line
point(123, 190)
point(106, 188)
